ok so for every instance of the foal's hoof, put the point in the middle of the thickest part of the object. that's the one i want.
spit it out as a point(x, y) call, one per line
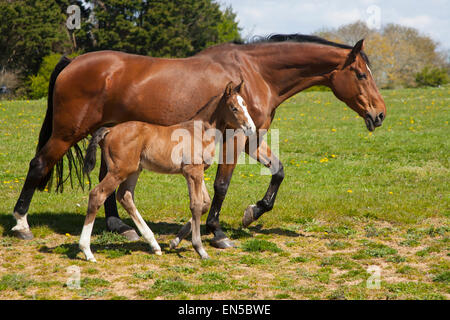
point(173, 243)
point(248, 216)
point(131, 235)
point(223, 243)
point(23, 234)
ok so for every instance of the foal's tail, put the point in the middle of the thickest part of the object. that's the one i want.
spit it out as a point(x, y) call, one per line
point(91, 151)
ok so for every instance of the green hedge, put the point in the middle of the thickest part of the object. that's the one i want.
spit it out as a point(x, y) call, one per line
point(38, 84)
point(431, 76)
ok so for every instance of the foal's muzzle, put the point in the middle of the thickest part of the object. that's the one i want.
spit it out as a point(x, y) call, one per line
point(249, 130)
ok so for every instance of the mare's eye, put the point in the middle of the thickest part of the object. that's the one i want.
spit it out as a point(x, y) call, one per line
point(234, 109)
point(361, 76)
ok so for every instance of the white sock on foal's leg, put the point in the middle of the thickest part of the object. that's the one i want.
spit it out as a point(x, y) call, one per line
point(85, 241)
point(146, 232)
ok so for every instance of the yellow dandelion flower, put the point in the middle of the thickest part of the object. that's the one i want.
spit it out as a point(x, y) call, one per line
point(334, 130)
point(349, 191)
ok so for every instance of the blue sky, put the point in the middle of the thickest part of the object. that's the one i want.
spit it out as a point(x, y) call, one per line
point(262, 17)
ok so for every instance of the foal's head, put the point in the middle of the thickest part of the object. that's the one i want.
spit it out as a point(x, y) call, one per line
point(353, 84)
point(234, 109)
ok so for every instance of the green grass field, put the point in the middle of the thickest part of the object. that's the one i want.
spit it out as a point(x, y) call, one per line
point(351, 200)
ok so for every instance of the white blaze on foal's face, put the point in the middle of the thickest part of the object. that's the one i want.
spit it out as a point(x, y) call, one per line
point(249, 127)
point(370, 71)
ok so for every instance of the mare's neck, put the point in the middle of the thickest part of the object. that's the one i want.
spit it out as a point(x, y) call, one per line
point(290, 67)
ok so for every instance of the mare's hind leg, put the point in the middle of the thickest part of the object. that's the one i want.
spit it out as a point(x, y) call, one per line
point(96, 199)
point(39, 167)
point(125, 195)
point(186, 229)
point(113, 221)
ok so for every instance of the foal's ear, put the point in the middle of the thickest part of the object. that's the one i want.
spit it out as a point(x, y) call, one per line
point(229, 88)
point(239, 87)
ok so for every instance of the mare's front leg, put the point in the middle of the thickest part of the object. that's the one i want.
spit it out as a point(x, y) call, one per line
point(230, 152)
point(265, 156)
point(113, 221)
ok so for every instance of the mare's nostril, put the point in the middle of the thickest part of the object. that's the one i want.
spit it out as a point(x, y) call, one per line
point(381, 116)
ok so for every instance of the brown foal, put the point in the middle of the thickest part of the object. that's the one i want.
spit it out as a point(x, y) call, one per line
point(132, 146)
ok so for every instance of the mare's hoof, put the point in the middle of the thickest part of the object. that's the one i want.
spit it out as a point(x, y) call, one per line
point(131, 235)
point(23, 234)
point(223, 243)
point(248, 216)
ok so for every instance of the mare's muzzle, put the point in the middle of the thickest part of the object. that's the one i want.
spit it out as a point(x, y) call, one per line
point(372, 123)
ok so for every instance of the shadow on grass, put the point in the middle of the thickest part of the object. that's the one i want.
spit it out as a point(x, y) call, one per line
point(72, 223)
point(111, 250)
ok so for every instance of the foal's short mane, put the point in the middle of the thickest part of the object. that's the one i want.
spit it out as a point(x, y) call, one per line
point(302, 38)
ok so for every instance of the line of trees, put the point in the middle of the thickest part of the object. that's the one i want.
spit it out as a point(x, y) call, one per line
point(33, 35)
point(400, 56)
point(31, 30)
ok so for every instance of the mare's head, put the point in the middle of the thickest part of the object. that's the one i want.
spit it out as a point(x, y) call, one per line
point(234, 109)
point(352, 83)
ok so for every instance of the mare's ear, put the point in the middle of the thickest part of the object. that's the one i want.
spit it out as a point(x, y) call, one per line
point(229, 88)
point(239, 87)
point(358, 47)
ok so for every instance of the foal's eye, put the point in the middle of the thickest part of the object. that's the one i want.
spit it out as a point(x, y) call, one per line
point(361, 76)
point(234, 109)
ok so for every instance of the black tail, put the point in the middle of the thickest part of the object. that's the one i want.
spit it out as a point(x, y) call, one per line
point(46, 129)
point(91, 152)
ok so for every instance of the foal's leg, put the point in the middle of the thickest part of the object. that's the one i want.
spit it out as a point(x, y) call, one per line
point(265, 156)
point(40, 166)
point(125, 196)
point(113, 222)
point(194, 178)
point(186, 229)
point(96, 199)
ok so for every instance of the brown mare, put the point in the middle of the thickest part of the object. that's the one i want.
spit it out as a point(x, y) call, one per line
point(105, 88)
point(132, 146)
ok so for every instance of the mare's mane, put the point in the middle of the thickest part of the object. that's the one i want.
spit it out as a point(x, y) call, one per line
point(301, 38)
